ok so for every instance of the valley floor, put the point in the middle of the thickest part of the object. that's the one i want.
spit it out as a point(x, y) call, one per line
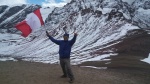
point(38, 73)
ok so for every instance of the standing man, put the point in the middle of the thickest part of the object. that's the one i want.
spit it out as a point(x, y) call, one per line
point(64, 54)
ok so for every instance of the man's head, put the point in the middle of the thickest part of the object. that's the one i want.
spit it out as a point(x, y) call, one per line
point(66, 36)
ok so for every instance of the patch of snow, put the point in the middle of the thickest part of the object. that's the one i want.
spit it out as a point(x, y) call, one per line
point(147, 60)
point(7, 59)
point(125, 15)
point(128, 27)
point(79, 19)
point(105, 59)
point(10, 18)
point(78, 59)
point(128, 1)
point(108, 63)
point(147, 11)
point(101, 57)
point(6, 40)
point(142, 16)
point(6, 10)
point(106, 10)
point(94, 67)
point(8, 36)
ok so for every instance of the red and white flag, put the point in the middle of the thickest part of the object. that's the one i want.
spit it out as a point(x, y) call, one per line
point(32, 22)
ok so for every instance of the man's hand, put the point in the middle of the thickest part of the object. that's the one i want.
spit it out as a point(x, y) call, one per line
point(47, 34)
point(75, 34)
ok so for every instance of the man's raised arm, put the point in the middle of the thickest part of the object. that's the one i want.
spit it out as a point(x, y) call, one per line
point(74, 38)
point(52, 39)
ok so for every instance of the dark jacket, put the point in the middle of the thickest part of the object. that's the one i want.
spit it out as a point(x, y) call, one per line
point(64, 46)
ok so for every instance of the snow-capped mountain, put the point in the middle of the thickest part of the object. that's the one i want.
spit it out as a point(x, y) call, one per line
point(103, 27)
point(10, 15)
point(141, 13)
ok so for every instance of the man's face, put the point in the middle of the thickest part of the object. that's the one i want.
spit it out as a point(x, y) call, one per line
point(65, 38)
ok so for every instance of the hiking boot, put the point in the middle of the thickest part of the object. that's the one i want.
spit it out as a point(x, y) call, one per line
point(63, 76)
point(71, 80)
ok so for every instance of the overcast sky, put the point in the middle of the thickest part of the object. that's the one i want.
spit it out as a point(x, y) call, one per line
point(44, 3)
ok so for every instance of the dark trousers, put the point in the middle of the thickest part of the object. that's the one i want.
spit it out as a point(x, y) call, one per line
point(66, 67)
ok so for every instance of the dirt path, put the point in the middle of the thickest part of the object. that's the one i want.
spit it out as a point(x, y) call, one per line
point(39, 73)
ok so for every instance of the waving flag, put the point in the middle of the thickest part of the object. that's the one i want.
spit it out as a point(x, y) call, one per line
point(32, 22)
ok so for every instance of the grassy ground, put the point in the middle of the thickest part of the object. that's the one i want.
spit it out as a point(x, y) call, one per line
point(39, 73)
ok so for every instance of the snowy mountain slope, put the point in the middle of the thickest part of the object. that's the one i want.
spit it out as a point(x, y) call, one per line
point(101, 24)
point(142, 13)
point(2, 9)
point(14, 14)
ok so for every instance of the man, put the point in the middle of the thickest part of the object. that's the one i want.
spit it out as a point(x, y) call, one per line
point(64, 54)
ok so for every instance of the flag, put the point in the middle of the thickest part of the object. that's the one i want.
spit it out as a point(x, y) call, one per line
point(32, 22)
